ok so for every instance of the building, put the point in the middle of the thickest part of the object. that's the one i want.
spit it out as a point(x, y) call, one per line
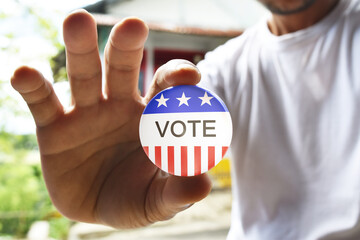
point(184, 29)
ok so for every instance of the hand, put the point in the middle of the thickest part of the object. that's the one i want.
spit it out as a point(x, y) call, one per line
point(93, 164)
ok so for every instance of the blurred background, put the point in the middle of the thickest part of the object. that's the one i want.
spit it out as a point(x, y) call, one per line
point(31, 34)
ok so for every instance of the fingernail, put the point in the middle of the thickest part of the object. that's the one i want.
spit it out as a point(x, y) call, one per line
point(185, 65)
point(79, 10)
point(186, 206)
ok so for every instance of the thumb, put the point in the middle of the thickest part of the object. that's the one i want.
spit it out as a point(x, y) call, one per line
point(173, 73)
point(170, 194)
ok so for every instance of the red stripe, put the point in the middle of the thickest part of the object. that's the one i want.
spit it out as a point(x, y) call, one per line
point(171, 159)
point(224, 150)
point(197, 157)
point(158, 156)
point(184, 161)
point(146, 150)
point(211, 157)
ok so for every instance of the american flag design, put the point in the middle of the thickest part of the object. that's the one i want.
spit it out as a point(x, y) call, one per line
point(185, 130)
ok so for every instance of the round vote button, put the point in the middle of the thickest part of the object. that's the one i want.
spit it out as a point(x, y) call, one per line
point(185, 130)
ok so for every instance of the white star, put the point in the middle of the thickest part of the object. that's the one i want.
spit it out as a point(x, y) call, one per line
point(162, 101)
point(183, 100)
point(205, 99)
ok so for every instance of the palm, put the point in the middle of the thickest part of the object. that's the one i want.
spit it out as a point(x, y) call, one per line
point(99, 160)
point(93, 163)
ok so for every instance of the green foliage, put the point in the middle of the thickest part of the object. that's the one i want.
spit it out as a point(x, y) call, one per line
point(46, 27)
point(58, 66)
point(15, 148)
point(20, 194)
point(24, 200)
point(51, 33)
point(59, 228)
point(23, 195)
point(10, 142)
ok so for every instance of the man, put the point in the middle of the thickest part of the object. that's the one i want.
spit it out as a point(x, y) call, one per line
point(292, 87)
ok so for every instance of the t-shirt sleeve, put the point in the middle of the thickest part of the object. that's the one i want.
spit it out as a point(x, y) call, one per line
point(219, 71)
point(212, 75)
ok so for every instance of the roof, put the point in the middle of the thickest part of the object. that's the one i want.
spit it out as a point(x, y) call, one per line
point(200, 17)
point(108, 20)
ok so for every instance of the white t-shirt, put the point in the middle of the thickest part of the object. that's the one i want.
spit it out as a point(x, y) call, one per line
point(295, 105)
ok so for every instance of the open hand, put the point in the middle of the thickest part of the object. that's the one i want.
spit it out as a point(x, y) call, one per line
point(93, 164)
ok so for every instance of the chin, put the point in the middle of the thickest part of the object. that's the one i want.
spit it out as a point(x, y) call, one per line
point(286, 7)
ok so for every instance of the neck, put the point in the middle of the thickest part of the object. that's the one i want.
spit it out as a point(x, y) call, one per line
point(283, 24)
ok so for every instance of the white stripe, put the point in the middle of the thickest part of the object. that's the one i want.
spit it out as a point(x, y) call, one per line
point(177, 161)
point(152, 153)
point(218, 153)
point(204, 159)
point(191, 161)
point(164, 159)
